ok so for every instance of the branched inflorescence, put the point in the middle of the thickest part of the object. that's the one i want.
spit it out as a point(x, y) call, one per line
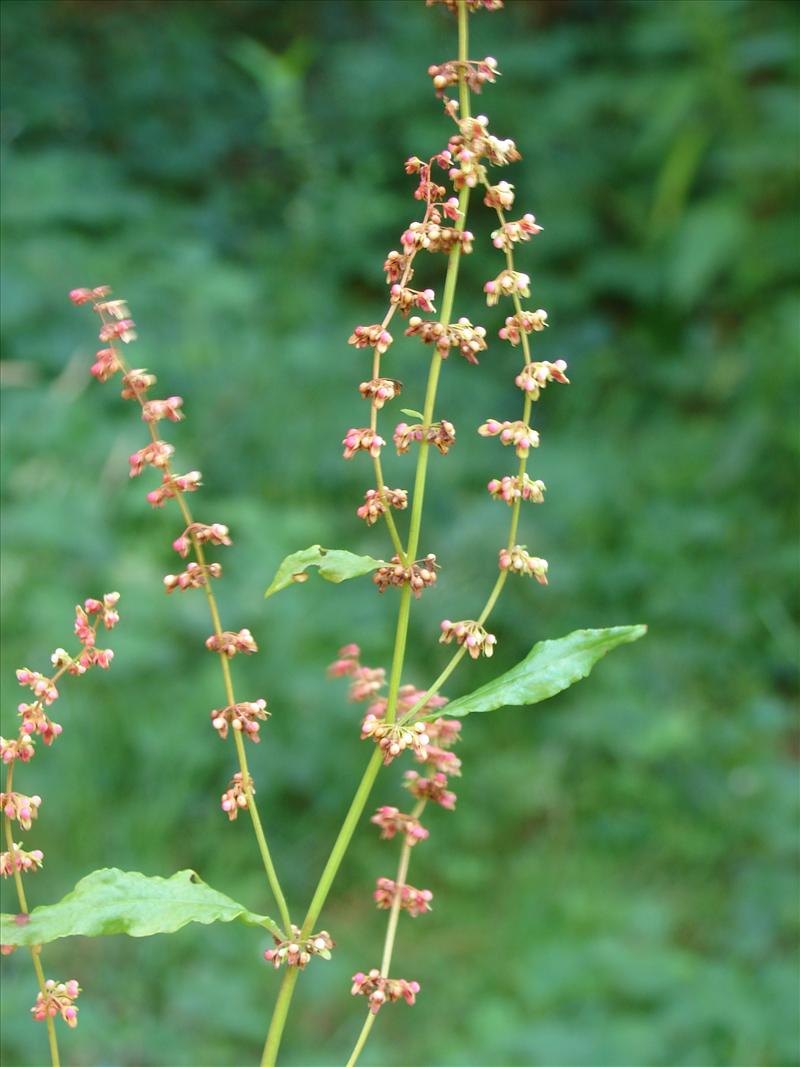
point(54, 998)
point(399, 721)
point(242, 718)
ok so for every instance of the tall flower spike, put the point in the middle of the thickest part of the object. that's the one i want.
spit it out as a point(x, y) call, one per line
point(243, 717)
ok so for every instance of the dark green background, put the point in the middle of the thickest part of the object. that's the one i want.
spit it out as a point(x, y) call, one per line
point(617, 887)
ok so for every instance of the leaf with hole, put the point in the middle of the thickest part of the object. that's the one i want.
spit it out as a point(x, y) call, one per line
point(111, 901)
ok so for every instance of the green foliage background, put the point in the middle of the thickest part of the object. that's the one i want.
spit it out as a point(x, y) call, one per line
point(617, 887)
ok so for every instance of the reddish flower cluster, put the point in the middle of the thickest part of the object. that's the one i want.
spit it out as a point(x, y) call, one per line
point(441, 435)
point(518, 434)
point(59, 999)
point(433, 788)
point(235, 796)
point(393, 739)
point(534, 376)
point(297, 951)
point(418, 575)
point(469, 633)
point(195, 576)
point(375, 503)
point(362, 440)
point(476, 73)
point(244, 717)
point(229, 643)
point(461, 335)
point(414, 901)
point(380, 990)
point(513, 487)
point(392, 821)
point(518, 561)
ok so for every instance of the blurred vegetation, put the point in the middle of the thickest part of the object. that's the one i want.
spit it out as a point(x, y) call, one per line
point(618, 886)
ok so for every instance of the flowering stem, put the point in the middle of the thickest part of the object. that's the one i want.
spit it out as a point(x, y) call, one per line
point(23, 907)
point(197, 548)
point(391, 931)
point(401, 633)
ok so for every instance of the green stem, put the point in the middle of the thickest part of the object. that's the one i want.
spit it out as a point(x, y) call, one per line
point(279, 1014)
point(362, 1038)
point(261, 839)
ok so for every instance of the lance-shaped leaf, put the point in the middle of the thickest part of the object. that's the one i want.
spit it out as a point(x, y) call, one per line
point(549, 667)
point(335, 565)
point(111, 901)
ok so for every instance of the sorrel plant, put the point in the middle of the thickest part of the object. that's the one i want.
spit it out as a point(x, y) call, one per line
point(399, 717)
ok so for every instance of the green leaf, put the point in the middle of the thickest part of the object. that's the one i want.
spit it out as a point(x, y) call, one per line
point(549, 667)
point(110, 901)
point(413, 414)
point(334, 564)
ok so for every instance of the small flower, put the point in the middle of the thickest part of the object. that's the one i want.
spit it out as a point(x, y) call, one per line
point(440, 434)
point(380, 991)
point(21, 748)
point(297, 952)
point(18, 806)
point(525, 322)
point(534, 376)
point(431, 236)
point(392, 821)
point(155, 410)
point(442, 760)
point(362, 440)
point(124, 330)
point(244, 716)
point(365, 682)
point(106, 608)
point(229, 643)
point(514, 487)
point(379, 390)
point(215, 534)
point(405, 298)
point(507, 283)
point(375, 505)
point(433, 788)
point(419, 575)
point(156, 454)
point(476, 74)
point(21, 861)
point(235, 797)
point(193, 577)
point(445, 732)
point(41, 686)
point(518, 561)
point(471, 634)
point(84, 296)
point(136, 383)
point(106, 364)
point(510, 233)
point(414, 901)
point(172, 484)
point(375, 336)
point(394, 739)
point(500, 196)
point(58, 999)
point(462, 335)
point(395, 267)
point(516, 433)
point(347, 662)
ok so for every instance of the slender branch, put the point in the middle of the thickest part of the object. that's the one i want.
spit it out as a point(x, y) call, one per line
point(391, 932)
point(227, 680)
